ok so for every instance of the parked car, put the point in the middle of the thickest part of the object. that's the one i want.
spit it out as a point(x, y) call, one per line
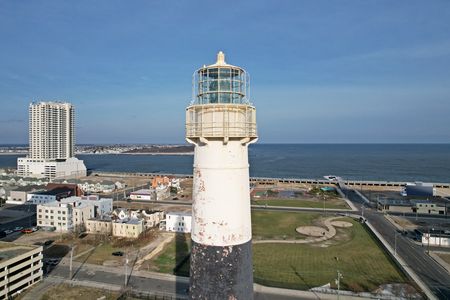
point(48, 242)
point(117, 253)
point(53, 261)
point(8, 231)
point(34, 229)
point(18, 228)
point(27, 230)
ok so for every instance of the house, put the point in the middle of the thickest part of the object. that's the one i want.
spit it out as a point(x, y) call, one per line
point(128, 228)
point(178, 222)
point(99, 226)
point(120, 213)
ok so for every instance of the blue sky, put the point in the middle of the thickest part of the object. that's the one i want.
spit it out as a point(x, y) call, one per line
point(321, 71)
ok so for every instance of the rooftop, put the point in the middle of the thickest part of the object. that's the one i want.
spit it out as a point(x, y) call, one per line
point(142, 192)
point(54, 192)
point(9, 250)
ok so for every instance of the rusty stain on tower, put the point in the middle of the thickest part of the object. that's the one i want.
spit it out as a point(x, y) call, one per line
point(221, 123)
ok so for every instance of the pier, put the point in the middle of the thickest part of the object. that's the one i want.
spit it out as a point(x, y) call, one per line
point(271, 181)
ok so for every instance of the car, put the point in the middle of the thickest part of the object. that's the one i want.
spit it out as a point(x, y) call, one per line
point(48, 242)
point(117, 253)
point(53, 261)
point(8, 231)
point(18, 228)
point(27, 230)
point(34, 229)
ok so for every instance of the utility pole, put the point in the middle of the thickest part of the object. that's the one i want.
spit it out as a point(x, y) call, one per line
point(71, 260)
point(338, 282)
point(395, 243)
point(126, 269)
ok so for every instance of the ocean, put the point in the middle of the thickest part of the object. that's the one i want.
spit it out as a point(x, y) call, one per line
point(392, 162)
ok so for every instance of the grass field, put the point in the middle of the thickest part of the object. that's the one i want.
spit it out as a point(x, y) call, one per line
point(302, 266)
point(329, 203)
point(174, 258)
point(279, 225)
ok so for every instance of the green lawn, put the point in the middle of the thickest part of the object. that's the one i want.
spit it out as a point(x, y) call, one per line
point(301, 266)
point(361, 261)
point(174, 258)
point(279, 225)
point(329, 203)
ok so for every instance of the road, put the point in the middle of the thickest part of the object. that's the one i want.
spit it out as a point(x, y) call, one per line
point(156, 286)
point(428, 270)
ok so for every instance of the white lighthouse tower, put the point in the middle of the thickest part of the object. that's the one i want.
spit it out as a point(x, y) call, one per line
point(221, 123)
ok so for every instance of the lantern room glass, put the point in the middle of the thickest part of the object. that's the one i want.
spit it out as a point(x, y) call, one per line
point(221, 84)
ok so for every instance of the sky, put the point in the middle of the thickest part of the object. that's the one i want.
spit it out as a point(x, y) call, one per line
point(373, 71)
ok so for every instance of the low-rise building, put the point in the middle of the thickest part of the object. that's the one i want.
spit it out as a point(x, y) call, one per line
point(418, 188)
point(48, 196)
point(151, 217)
point(20, 268)
point(427, 207)
point(394, 205)
point(178, 222)
point(21, 194)
point(143, 194)
point(434, 237)
point(71, 213)
point(99, 226)
point(128, 228)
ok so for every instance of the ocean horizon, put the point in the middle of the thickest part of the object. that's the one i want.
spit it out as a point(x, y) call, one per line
point(356, 161)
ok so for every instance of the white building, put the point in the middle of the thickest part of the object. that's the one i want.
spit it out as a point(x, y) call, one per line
point(178, 222)
point(437, 238)
point(51, 138)
point(71, 213)
point(143, 194)
point(20, 268)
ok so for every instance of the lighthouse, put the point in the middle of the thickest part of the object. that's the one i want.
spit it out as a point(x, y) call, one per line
point(221, 123)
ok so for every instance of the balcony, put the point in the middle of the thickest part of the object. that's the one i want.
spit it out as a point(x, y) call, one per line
point(221, 121)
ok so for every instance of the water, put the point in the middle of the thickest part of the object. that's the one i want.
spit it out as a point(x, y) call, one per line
point(393, 162)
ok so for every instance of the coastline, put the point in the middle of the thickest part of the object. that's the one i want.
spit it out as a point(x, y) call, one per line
point(150, 153)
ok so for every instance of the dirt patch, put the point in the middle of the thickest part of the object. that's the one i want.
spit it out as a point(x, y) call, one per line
point(314, 231)
point(341, 224)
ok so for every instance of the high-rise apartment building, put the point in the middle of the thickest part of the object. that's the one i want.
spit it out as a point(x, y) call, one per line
point(51, 130)
point(52, 140)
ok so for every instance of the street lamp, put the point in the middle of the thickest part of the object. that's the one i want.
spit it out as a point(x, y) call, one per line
point(395, 242)
point(338, 282)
